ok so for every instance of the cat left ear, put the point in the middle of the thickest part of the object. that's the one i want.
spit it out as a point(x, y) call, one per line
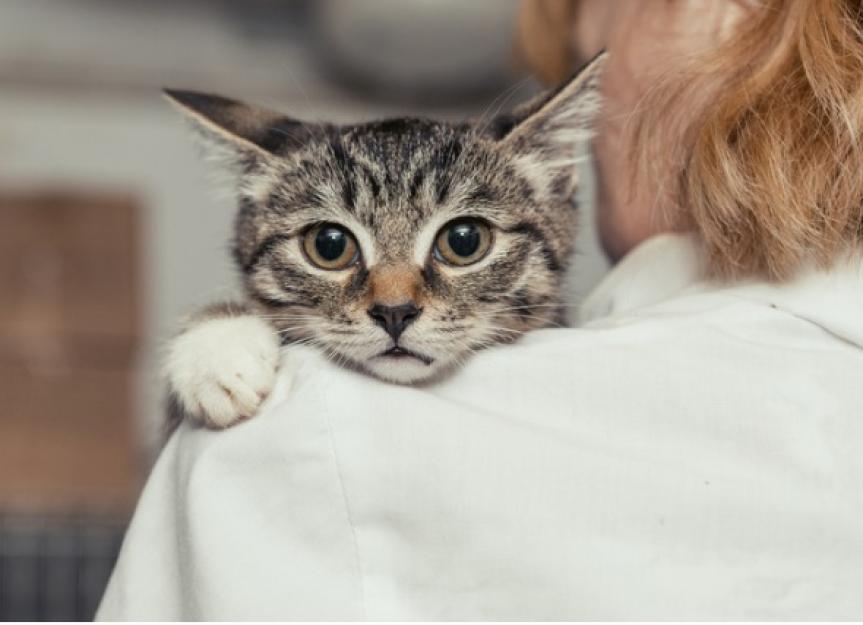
point(555, 127)
point(241, 129)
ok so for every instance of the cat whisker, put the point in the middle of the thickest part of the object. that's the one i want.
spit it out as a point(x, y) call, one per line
point(528, 306)
point(290, 317)
point(500, 101)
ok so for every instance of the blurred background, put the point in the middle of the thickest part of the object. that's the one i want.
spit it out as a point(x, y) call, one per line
point(109, 232)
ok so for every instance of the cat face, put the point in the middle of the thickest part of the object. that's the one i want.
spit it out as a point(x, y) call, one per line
point(402, 246)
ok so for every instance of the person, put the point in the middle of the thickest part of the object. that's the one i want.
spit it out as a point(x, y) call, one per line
point(691, 451)
point(737, 120)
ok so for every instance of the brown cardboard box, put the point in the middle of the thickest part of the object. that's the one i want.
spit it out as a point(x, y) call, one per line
point(69, 289)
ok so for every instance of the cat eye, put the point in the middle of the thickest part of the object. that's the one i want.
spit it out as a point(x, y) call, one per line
point(330, 246)
point(463, 242)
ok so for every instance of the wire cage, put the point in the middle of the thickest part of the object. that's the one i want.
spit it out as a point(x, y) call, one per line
point(55, 569)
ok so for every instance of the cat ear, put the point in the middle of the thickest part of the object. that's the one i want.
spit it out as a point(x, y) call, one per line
point(238, 130)
point(551, 131)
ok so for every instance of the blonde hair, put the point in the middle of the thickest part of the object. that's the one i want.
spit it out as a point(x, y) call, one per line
point(770, 172)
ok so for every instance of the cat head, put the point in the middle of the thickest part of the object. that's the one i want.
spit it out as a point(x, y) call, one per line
point(401, 246)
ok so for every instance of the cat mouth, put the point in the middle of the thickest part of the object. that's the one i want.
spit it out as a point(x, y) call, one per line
point(397, 353)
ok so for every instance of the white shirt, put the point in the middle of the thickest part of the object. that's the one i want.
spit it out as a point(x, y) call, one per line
point(693, 451)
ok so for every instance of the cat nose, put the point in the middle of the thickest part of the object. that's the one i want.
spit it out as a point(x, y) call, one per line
point(394, 319)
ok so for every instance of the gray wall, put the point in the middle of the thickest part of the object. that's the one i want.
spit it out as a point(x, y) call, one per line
point(80, 107)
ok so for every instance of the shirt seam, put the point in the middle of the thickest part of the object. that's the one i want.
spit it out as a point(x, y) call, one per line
point(348, 513)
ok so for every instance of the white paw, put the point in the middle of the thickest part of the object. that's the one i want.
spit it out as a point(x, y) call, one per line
point(222, 369)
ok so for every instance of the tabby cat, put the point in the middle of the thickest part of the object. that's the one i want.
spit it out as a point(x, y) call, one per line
point(397, 247)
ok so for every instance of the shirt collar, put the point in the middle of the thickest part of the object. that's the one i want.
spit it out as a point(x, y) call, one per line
point(670, 265)
point(654, 271)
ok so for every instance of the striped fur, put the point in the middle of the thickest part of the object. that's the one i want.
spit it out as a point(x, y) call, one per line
point(394, 184)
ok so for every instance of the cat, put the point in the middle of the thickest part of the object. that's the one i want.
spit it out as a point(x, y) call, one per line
point(398, 247)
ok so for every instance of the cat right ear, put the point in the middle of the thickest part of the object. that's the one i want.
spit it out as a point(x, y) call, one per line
point(563, 116)
point(550, 132)
point(237, 130)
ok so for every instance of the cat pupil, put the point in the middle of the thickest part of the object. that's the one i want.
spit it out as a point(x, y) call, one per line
point(464, 239)
point(330, 243)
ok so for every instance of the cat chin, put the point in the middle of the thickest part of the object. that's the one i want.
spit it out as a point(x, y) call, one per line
point(402, 370)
